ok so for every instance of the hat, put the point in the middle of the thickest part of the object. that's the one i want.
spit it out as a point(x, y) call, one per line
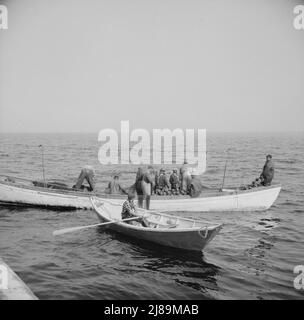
point(269, 156)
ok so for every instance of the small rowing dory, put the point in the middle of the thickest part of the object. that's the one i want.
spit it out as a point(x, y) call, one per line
point(166, 230)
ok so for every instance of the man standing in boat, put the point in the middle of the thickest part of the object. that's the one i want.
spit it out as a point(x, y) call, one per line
point(185, 178)
point(147, 185)
point(144, 185)
point(138, 189)
point(268, 171)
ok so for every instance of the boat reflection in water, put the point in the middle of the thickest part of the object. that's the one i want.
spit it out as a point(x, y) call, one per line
point(163, 266)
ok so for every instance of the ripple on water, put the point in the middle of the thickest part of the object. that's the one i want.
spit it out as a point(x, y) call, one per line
point(252, 258)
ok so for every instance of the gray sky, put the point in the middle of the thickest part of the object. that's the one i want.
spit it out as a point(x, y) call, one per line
point(225, 65)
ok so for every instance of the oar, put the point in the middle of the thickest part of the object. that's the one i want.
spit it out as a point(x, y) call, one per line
point(69, 230)
point(221, 189)
point(43, 170)
point(225, 170)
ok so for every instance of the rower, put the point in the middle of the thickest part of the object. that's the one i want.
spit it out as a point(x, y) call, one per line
point(129, 211)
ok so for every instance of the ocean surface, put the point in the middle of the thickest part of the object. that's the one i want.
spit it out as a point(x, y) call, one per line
point(252, 258)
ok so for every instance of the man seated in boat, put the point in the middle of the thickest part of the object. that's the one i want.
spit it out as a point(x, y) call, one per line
point(87, 174)
point(174, 182)
point(129, 211)
point(195, 187)
point(163, 184)
point(114, 186)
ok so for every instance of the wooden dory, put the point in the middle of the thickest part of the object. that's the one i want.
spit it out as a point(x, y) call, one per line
point(24, 192)
point(166, 230)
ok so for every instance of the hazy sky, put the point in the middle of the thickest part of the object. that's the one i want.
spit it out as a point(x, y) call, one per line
point(223, 65)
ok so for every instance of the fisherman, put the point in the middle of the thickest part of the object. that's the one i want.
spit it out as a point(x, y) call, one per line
point(163, 184)
point(138, 189)
point(195, 187)
point(129, 211)
point(185, 178)
point(268, 171)
point(174, 181)
point(147, 185)
point(87, 173)
point(265, 177)
point(156, 181)
point(114, 186)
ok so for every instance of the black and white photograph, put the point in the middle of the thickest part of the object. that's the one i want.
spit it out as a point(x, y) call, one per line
point(151, 151)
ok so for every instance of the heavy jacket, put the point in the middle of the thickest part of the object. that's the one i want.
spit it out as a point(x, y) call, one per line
point(174, 181)
point(184, 177)
point(147, 184)
point(144, 182)
point(268, 172)
point(139, 177)
point(163, 182)
point(195, 187)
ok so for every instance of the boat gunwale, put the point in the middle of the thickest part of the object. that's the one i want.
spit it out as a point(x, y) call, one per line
point(176, 230)
point(71, 192)
point(153, 212)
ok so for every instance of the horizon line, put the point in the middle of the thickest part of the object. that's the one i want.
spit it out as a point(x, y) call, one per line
point(94, 132)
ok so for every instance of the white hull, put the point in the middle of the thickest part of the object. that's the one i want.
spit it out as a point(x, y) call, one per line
point(188, 234)
point(230, 200)
point(16, 289)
